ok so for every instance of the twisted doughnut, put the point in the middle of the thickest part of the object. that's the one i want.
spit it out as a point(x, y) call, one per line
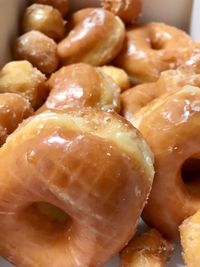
point(93, 166)
point(171, 125)
point(81, 85)
point(96, 38)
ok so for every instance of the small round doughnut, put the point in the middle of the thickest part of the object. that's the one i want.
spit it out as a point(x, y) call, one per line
point(152, 48)
point(171, 126)
point(45, 19)
point(13, 110)
point(118, 75)
point(147, 250)
point(96, 38)
point(190, 240)
point(81, 85)
point(39, 49)
point(170, 81)
point(22, 78)
point(61, 5)
point(127, 10)
point(75, 186)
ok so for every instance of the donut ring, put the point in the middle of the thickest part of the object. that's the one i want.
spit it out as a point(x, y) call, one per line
point(152, 48)
point(139, 96)
point(70, 88)
point(171, 126)
point(127, 10)
point(96, 39)
point(13, 109)
point(80, 162)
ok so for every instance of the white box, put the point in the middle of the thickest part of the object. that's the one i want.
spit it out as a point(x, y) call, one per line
point(181, 13)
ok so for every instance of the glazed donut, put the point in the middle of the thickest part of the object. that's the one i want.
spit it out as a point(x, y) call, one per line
point(152, 48)
point(171, 126)
point(81, 85)
point(91, 165)
point(45, 19)
point(118, 75)
point(96, 38)
point(20, 77)
point(170, 81)
point(127, 10)
point(61, 5)
point(38, 49)
point(190, 240)
point(13, 109)
point(148, 250)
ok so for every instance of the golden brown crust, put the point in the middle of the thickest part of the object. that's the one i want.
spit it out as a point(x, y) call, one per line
point(148, 250)
point(97, 32)
point(13, 110)
point(61, 5)
point(152, 48)
point(190, 240)
point(45, 19)
point(127, 10)
point(21, 78)
point(171, 124)
point(118, 75)
point(169, 81)
point(80, 162)
point(81, 85)
point(38, 49)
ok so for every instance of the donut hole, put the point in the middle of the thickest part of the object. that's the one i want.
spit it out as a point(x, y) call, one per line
point(156, 44)
point(46, 219)
point(190, 172)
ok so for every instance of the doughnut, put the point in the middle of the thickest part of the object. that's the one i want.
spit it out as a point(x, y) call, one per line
point(13, 109)
point(45, 19)
point(170, 81)
point(148, 250)
point(190, 240)
point(96, 38)
point(38, 49)
point(118, 75)
point(61, 5)
point(21, 78)
point(152, 48)
point(171, 125)
point(127, 10)
point(75, 186)
point(81, 85)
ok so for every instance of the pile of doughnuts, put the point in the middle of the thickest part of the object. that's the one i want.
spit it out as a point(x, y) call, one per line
point(99, 126)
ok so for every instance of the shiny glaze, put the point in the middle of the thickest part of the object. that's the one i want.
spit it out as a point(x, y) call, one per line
point(152, 48)
point(171, 126)
point(39, 49)
point(127, 10)
point(13, 110)
point(61, 5)
point(169, 81)
point(45, 19)
point(96, 38)
point(79, 163)
point(22, 78)
point(81, 85)
point(148, 250)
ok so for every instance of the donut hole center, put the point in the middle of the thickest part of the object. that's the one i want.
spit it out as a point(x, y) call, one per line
point(46, 218)
point(191, 176)
point(156, 44)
